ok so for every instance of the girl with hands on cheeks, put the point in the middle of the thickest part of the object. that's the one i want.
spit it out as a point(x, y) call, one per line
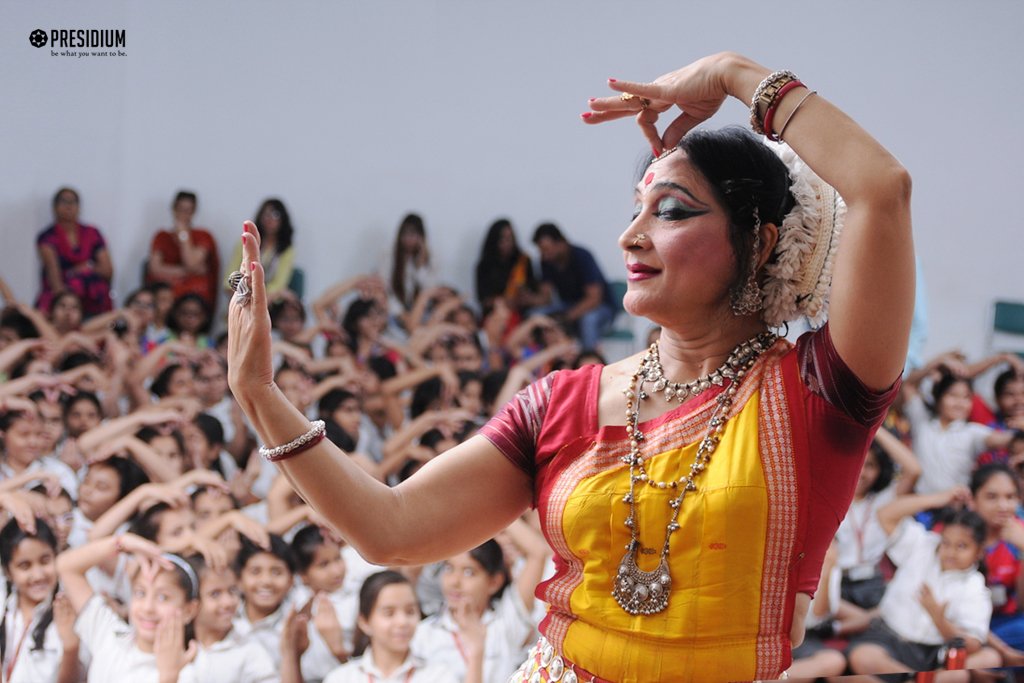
point(164, 601)
point(729, 238)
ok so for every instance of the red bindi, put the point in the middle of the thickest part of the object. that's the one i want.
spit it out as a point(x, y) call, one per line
point(649, 179)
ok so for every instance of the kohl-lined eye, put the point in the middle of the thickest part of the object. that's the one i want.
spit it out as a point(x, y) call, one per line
point(672, 209)
point(637, 209)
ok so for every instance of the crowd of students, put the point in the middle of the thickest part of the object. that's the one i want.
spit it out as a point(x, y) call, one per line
point(147, 539)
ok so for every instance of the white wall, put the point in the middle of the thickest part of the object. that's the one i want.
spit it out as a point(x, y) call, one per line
point(356, 112)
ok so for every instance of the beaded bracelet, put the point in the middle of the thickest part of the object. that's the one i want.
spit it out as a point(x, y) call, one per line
point(769, 114)
point(765, 95)
point(301, 443)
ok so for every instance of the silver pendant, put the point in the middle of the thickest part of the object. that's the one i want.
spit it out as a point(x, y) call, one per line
point(639, 592)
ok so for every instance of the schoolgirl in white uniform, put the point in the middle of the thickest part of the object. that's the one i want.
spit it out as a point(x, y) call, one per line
point(265, 576)
point(151, 647)
point(225, 656)
point(388, 616)
point(34, 646)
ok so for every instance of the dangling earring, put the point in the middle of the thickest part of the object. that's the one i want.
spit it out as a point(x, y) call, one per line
point(750, 299)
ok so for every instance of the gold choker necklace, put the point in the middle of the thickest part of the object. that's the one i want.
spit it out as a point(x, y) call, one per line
point(638, 591)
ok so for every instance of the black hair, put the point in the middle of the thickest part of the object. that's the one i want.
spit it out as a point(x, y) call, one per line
point(356, 311)
point(158, 286)
point(71, 399)
point(368, 594)
point(211, 428)
point(147, 523)
point(334, 433)
point(490, 254)
point(185, 195)
point(333, 399)
point(886, 468)
point(66, 294)
point(9, 417)
point(59, 192)
point(970, 520)
point(147, 434)
point(411, 222)
point(61, 492)
point(162, 383)
point(131, 476)
point(281, 305)
point(286, 231)
point(946, 381)
point(424, 395)
point(382, 367)
point(745, 177)
point(549, 231)
point(278, 548)
point(11, 537)
point(76, 359)
point(200, 490)
point(191, 297)
point(304, 545)
point(492, 385)
point(22, 325)
point(1004, 378)
point(981, 476)
point(490, 556)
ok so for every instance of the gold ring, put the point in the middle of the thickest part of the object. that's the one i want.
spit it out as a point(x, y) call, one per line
point(640, 237)
point(629, 97)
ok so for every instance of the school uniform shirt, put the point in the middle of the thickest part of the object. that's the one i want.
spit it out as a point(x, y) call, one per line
point(48, 463)
point(23, 663)
point(357, 570)
point(509, 634)
point(835, 586)
point(318, 660)
point(117, 585)
point(234, 660)
point(266, 632)
point(947, 455)
point(111, 643)
point(80, 527)
point(861, 540)
point(413, 670)
point(968, 603)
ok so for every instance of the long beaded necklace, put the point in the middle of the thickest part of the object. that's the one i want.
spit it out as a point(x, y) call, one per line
point(646, 592)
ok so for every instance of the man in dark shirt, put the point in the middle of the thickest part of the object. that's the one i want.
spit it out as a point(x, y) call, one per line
point(572, 286)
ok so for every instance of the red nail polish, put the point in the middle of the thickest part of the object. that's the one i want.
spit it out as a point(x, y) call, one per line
point(245, 236)
point(656, 152)
point(252, 265)
point(591, 99)
point(245, 227)
point(587, 114)
point(612, 80)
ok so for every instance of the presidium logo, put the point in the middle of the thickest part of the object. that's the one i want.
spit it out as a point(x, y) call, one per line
point(80, 42)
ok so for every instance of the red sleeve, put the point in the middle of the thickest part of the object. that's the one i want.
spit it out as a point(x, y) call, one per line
point(828, 376)
point(841, 416)
point(515, 430)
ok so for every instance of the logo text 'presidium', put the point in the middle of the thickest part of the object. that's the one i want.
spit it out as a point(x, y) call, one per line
point(87, 38)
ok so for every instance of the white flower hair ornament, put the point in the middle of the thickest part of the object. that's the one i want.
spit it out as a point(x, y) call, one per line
point(799, 276)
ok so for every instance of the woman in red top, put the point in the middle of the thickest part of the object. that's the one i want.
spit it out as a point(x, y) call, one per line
point(74, 258)
point(185, 257)
point(714, 255)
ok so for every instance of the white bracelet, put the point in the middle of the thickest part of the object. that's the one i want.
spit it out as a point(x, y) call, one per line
point(316, 432)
